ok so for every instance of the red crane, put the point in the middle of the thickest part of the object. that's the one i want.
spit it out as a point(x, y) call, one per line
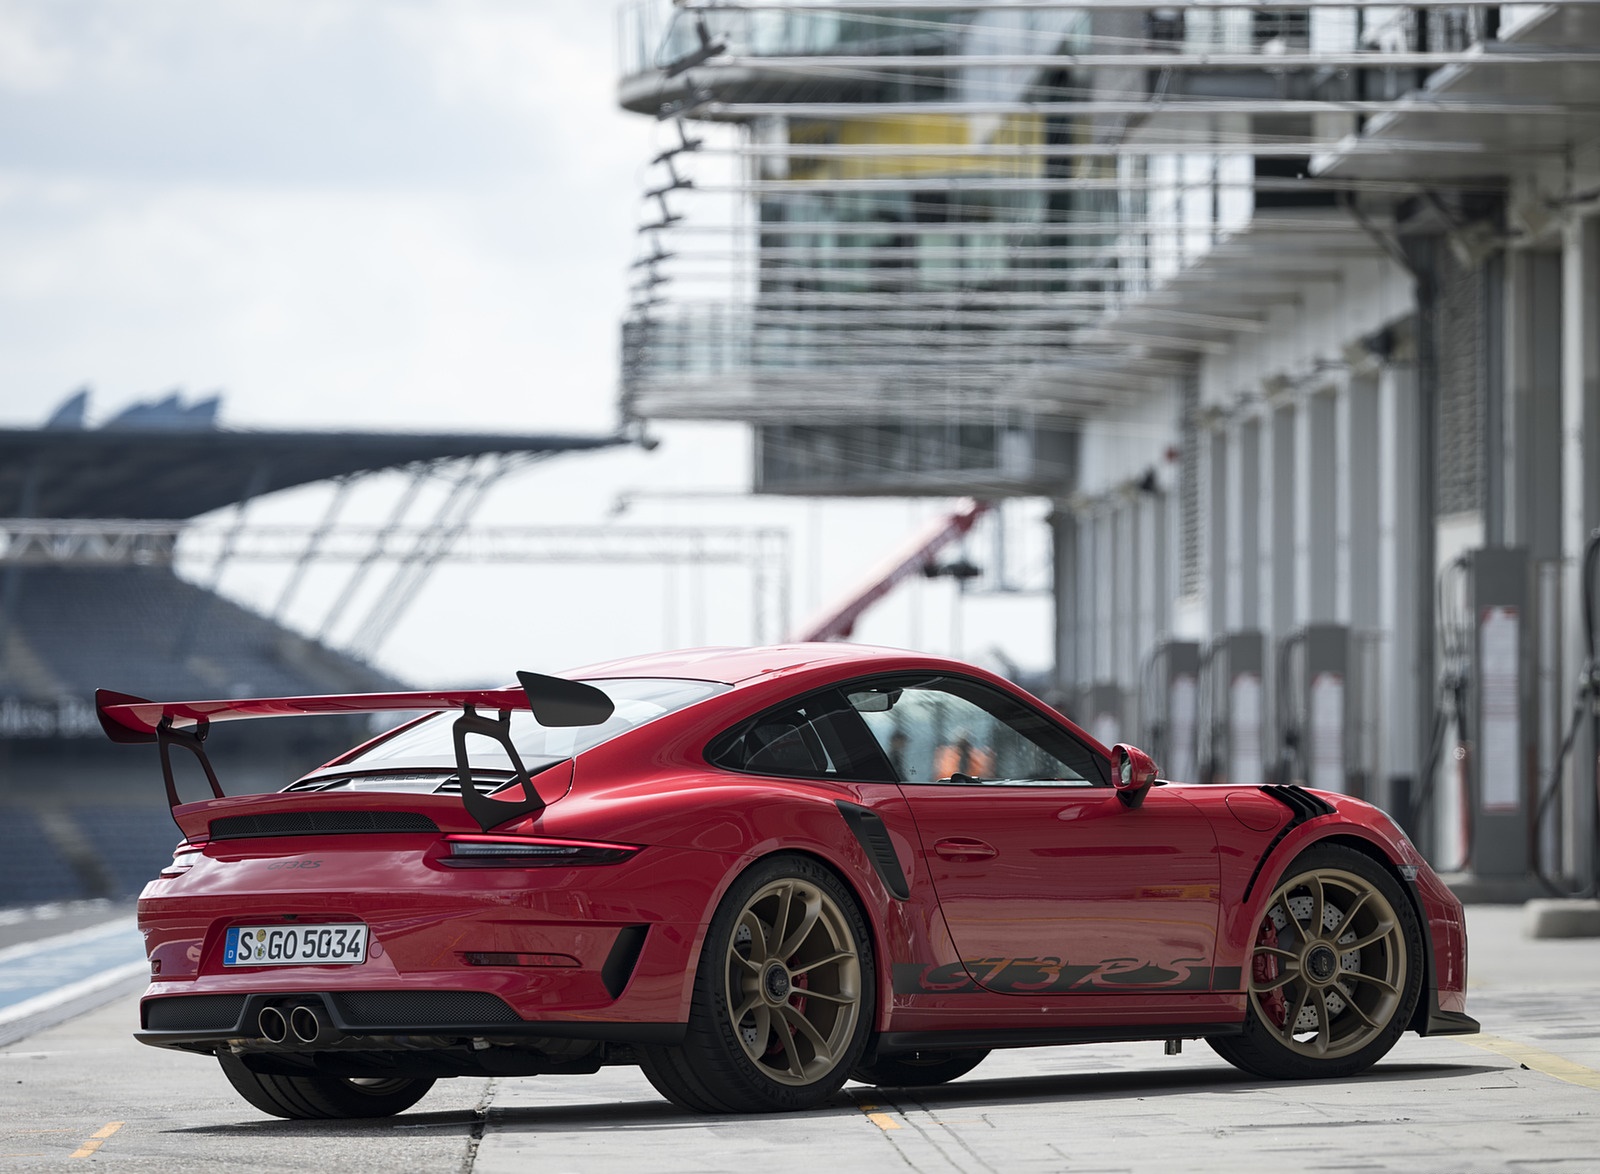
point(839, 620)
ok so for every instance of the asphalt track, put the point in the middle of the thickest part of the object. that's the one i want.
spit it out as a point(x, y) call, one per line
point(1524, 1095)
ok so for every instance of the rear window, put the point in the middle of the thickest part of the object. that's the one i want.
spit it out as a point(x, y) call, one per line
point(429, 742)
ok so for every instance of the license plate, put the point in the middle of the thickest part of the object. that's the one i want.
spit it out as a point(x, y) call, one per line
point(295, 945)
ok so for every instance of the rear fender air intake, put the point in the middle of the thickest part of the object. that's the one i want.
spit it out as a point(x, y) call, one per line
point(874, 837)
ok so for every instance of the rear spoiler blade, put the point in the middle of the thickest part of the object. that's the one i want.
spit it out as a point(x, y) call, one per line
point(554, 701)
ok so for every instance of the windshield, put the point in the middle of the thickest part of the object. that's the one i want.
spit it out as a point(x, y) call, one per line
point(429, 743)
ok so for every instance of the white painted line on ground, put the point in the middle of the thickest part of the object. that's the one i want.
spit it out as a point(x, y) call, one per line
point(95, 983)
point(62, 941)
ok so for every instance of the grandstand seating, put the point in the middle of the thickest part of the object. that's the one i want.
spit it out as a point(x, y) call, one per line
point(138, 630)
point(32, 868)
point(144, 630)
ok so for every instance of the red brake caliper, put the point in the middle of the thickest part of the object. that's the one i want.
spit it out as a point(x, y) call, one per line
point(1264, 968)
point(799, 1004)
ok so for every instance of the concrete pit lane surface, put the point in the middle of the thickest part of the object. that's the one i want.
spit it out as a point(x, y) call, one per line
point(1525, 1094)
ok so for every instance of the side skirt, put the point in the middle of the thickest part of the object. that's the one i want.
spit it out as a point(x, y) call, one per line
point(892, 1043)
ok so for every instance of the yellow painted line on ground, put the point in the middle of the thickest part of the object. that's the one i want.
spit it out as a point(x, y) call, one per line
point(1536, 1059)
point(96, 1140)
point(882, 1120)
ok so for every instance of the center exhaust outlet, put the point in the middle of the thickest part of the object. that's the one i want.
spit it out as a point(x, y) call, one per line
point(273, 1026)
point(310, 1024)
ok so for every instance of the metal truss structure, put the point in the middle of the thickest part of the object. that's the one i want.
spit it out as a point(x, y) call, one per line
point(874, 212)
point(406, 551)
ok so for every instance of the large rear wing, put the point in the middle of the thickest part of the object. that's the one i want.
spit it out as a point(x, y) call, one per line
point(554, 701)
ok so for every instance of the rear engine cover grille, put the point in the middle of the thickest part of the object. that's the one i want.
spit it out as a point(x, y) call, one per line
point(417, 1009)
point(318, 823)
point(194, 1013)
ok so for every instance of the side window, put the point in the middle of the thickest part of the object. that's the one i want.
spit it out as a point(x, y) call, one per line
point(944, 729)
point(820, 736)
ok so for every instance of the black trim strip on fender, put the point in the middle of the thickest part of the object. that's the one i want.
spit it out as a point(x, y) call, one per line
point(1303, 804)
point(899, 1042)
point(874, 837)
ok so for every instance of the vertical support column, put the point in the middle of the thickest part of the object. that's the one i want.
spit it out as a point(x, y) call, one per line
point(1315, 494)
point(1064, 594)
point(1357, 602)
point(1531, 489)
point(1279, 499)
point(1124, 605)
point(1088, 581)
point(1242, 531)
point(1163, 583)
point(1105, 617)
point(1276, 524)
point(1580, 500)
point(1216, 521)
point(1399, 521)
point(1147, 584)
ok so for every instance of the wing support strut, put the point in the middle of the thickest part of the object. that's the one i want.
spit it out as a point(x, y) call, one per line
point(193, 740)
point(491, 812)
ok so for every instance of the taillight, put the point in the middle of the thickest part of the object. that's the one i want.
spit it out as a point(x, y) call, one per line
point(527, 852)
point(183, 857)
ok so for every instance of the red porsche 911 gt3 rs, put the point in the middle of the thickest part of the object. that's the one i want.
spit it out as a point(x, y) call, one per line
point(756, 873)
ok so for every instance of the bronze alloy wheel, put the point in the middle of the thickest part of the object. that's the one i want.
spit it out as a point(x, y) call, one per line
point(1329, 968)
point(1335, 970)
point(783, 995)
point(793, 981)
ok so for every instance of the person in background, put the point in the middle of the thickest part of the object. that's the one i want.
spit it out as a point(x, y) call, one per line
point(898, 742)
point(960, 756)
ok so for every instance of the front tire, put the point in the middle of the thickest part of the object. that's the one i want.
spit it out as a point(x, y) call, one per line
point(918, 1069)
point(317, 1095)
point(1335, 972)
point(783, 996)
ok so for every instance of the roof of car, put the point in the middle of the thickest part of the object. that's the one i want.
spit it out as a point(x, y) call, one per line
point(733, 665)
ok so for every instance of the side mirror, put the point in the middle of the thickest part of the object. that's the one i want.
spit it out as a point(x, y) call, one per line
point(1132, 773)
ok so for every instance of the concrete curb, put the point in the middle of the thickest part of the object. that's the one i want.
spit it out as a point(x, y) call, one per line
point(1567, 918)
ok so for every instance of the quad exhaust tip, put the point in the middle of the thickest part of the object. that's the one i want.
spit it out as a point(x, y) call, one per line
point(302, 1023)
point(309, 1024)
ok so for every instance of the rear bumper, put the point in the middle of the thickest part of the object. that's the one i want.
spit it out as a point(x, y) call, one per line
point(373, 1020)
point(613, 944)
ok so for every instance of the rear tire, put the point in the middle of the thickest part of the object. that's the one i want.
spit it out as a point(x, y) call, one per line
point(918, 1069)
point(783, 996)
point(318, 1096)
point(1335, 971)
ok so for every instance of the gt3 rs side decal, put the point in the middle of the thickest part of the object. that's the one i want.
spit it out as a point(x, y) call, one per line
point(1053, 976)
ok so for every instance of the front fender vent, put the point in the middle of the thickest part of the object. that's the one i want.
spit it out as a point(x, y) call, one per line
point(1297, 799)
point(318, 823)
point(1303, 804)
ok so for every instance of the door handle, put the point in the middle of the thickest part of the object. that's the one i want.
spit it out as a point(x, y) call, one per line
point(964, 850)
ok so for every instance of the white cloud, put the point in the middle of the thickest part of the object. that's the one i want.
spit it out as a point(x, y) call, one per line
point(386, 213)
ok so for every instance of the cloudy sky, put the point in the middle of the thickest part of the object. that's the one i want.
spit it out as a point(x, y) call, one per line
point(395, 214)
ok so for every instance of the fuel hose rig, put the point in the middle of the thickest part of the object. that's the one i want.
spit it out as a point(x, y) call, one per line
point(1585, 702)
point(1451, 708)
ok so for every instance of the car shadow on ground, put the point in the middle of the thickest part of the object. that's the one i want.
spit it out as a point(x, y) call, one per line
point(1088, 1087)
point(1068, 1087)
